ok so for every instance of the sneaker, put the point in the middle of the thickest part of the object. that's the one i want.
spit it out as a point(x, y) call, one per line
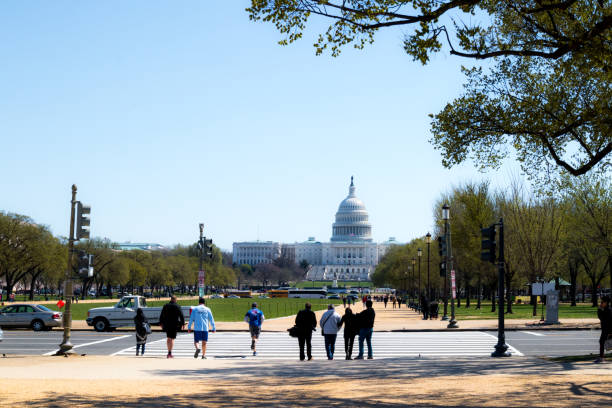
point(599, 361)
point(197, 353)
point(309, 358)
point(359, 358)
point(137, 354)
point(254, 353)
point(169, 355)
point(370, 358)
point(204, 357)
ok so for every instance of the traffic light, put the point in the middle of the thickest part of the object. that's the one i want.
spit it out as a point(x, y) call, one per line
point(85, 264)
point(82, 229)
point(488, 244)
point(208, 248)
point(442, 250)
point(443, 269)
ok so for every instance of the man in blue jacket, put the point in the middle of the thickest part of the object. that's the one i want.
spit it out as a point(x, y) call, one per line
point(254, 318)
point(201, 318)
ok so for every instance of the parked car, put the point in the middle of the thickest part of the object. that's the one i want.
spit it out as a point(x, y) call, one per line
point(38, 317)
point(216, 297)
point(333, 297)
point(233, 297)
point(123, 313)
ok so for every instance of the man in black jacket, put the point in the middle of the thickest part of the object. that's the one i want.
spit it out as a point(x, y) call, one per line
point(171, 321)
point(306, 321)
point(365, 320)
point(604, 313)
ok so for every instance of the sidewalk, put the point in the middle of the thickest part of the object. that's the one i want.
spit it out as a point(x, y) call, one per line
point(94, 381)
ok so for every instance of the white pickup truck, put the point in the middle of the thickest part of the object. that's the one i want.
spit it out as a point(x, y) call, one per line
point(123, 313)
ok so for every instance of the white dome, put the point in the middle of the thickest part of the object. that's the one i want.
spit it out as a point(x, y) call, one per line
point(351, 219)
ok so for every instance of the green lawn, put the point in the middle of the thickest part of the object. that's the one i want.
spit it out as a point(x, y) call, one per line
point(522, 311)
point(341, 283)
point(224, 310)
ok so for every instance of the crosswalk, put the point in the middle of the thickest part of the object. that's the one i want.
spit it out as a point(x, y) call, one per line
point(274, 345)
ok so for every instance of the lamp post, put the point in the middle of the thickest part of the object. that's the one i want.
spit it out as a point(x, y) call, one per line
point(428, 242)
point(452, 324)
point(419, 254)
point(418, 291)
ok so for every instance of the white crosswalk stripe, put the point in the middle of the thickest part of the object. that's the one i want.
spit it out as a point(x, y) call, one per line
point(273, 345)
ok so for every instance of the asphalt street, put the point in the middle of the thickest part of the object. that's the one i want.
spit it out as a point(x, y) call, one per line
point(529, 343)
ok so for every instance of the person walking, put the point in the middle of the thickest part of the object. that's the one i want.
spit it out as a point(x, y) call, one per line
point(394, 301)
point(344, 301)
point(306, 321)
point(349, 320)
point(254, 318)
point(366, 327)
point(142, 330)
point(202, 320)
point(386, 300)
point(604, 313)
point(329, 328)
point(399, 302)
point(171, 321)
point(425, 307)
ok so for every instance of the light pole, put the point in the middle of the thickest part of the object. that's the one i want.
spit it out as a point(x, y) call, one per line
point(419, 254)
point(428, 242)
point(452, 324)
point(201, 276)
point(418, 292)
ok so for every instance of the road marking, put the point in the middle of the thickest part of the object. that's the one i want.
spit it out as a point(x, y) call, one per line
point(533, 333)
point(511, 349)
point(91, 343)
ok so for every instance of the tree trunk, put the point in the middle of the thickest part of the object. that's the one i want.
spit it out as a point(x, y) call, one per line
point(508, 296)
point(479, 294)
point(467, 296)
point(594, 296)
point(458, 297)
point(493, 299)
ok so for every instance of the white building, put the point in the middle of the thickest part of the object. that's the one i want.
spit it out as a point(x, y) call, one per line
point(254, 253)
point(350, 254)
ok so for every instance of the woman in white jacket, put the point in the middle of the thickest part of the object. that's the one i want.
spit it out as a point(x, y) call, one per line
point(329, 328)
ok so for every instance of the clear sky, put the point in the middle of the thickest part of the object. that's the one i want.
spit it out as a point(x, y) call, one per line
point(166, 114)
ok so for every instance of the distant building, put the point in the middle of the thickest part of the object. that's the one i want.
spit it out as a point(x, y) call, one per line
point(254, 253)
point(350, 254)
point(128, 246)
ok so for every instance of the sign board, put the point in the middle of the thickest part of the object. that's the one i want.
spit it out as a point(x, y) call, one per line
point(453, 283)
point(201, 276)
point(552, 307)
point(536, 288)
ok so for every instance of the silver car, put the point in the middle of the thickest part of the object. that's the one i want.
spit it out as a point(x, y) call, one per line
point(38, 317)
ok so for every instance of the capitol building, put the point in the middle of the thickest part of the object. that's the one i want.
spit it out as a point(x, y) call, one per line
point(351, 253)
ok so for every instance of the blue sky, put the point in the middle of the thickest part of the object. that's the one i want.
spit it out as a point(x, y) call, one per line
point(166, 114)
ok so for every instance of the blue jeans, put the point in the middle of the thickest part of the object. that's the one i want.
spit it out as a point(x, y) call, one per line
point(139, 347)
point(330, 345)
point(365, 334)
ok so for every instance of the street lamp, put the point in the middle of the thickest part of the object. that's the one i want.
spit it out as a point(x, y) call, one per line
point(428, 242)
point(419, 285)
point(452, 324)
point(419, 254)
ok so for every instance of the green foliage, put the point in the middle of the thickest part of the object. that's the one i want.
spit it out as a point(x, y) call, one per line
point(546, 96)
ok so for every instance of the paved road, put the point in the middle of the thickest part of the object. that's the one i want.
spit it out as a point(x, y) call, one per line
point(280, 345)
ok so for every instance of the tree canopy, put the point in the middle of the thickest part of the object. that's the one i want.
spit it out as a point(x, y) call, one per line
point(546, 93)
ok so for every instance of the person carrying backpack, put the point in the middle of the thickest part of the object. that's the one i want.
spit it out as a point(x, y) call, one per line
point(254, 318)
point(142, 331)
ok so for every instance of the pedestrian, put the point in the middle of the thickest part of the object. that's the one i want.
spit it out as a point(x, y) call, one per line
point(604, 313)
point(202, 320)
point(425, 307)
point(399, 302)
point(350, 331)
point(394, 301)
point(171, 321)
point(254, 318)
point(366, 327)
point(329, 328)
point(306, 321)
point(142, 330)
point(344, 301)
point(386, 300)
point(363, 300)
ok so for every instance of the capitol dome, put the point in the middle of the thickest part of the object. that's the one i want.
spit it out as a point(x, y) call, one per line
point(351, 220)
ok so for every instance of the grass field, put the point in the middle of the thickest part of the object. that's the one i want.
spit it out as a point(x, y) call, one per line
point(582, 310)
point(341, 283)
point(224, 310)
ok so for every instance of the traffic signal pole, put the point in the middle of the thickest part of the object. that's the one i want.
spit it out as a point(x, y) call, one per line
point(66, 346)
point(501, 348)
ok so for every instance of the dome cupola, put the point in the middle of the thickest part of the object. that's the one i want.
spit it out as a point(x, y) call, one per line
point(351, 219)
